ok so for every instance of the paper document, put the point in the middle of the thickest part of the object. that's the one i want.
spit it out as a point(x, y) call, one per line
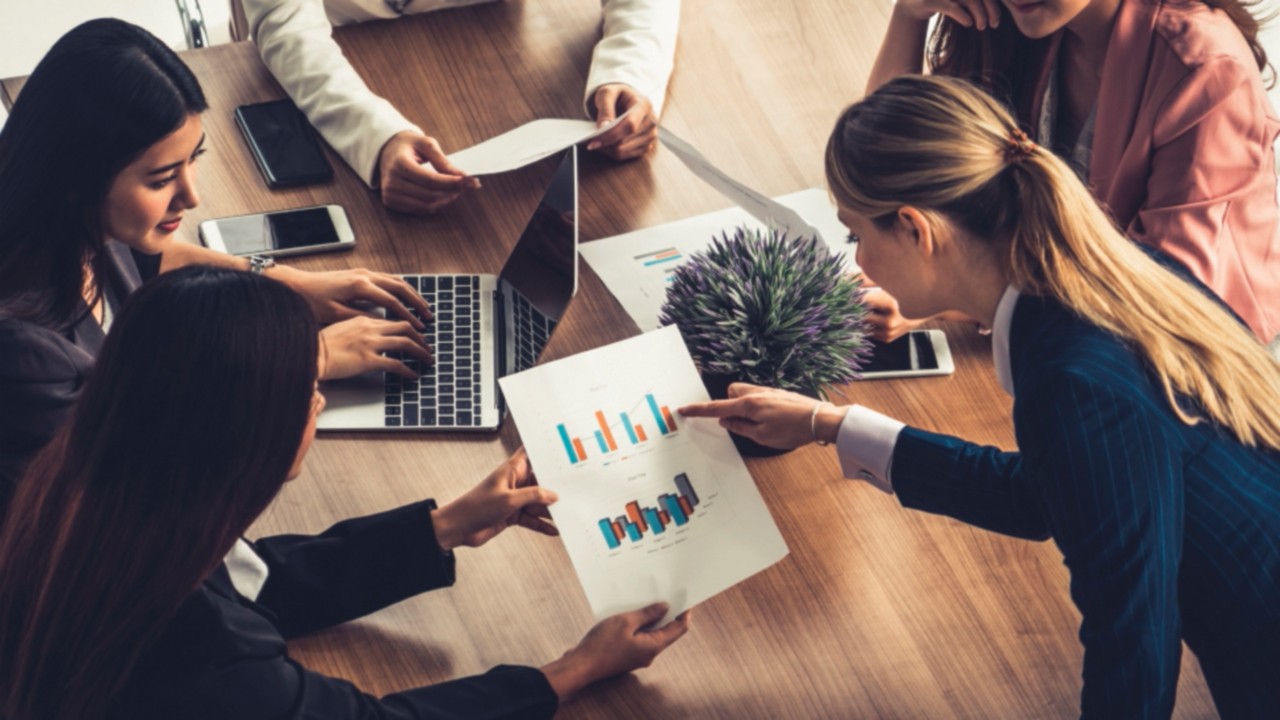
point(652, 506)
point(637, 266)
point(525, 145)
point(761, 207)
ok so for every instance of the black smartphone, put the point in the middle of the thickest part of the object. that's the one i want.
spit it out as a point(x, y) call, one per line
point(284, 144)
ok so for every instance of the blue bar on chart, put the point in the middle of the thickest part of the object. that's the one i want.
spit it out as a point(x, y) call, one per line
point(655, 520)
point(658, 257)
point(610, 537)
point(672, 505)
point(633, 530)
point(600, 439)
point(568, 444)
point(631, 431)
point(639, 521)
point(657, 414)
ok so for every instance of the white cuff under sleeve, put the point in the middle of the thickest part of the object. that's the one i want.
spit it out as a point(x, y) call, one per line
point(865, 443)
point(248, 571)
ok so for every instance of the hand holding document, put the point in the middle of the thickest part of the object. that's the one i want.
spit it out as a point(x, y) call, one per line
point(652, 507)
point(525, 145)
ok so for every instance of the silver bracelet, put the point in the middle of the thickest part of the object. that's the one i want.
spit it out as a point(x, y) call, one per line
point(259, 264)
point(813, 423)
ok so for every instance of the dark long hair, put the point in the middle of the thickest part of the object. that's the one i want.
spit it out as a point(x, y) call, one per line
point(1004, 62)
point(104, 93)
point(186, 431)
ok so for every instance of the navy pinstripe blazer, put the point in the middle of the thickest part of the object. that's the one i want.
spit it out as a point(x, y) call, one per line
point(1170, 531)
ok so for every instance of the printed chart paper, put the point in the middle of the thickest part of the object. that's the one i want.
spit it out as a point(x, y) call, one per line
point(653, 506)
point(637, 266)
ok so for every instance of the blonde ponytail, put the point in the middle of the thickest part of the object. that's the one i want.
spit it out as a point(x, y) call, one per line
point(943, 146)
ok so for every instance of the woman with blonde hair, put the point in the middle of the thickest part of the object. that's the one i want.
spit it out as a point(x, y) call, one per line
point(1148, 431)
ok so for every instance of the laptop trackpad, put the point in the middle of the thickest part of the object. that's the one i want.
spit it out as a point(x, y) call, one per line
point(353, 403)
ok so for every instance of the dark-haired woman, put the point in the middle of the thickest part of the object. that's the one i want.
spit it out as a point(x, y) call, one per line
point(97, 167)
point(115, 601)
point(1148, 431)
point(1158, 104)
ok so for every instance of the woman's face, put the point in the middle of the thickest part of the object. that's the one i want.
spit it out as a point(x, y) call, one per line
point(890, 260)
point(146, 200)
point(308, 435)
point(1041, 18)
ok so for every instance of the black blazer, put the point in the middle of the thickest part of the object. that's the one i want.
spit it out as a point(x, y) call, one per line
point(42, 369)
point(224, 656)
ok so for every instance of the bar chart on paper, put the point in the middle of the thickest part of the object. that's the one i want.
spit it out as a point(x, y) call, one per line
point(653, 506)
point(638, 521)
point(621, 430)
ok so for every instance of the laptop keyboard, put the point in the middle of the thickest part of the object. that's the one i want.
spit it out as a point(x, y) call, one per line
point(531, 331)
point(446, 393)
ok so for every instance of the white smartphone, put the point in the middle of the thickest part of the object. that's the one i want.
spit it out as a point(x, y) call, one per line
point(916, 354)
point(323, 228)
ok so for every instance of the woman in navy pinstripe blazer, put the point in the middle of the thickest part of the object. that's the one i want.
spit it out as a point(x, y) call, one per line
point(1147, 418)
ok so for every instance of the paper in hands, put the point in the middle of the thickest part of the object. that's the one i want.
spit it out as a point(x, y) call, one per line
point(653, 507)
point(525, 145)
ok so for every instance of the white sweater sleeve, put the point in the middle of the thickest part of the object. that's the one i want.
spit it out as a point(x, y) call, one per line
point(638, 49)
point(295, 39)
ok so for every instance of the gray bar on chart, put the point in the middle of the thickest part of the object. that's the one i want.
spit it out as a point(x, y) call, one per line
point(686, 489)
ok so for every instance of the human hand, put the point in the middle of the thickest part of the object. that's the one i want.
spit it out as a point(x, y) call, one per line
point(409, 184)
point(777, 418)
point(509, 496)
point(355, 346)
point(884, 316)
point(616, 645)
point(637, 129)
point(332, 295)
point(979, 14)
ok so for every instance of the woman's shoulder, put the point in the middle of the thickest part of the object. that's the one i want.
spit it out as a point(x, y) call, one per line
point(216, 657)
point(32, 352)
point(1053, 347)
point(1198, 35)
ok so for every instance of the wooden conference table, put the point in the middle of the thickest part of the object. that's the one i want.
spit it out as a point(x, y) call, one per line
point(877, 611)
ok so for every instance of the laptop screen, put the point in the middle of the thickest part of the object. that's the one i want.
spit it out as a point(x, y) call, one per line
point(543, 266)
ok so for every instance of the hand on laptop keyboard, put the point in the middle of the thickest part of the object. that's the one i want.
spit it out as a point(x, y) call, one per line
point(356, 346)
point(336, 295)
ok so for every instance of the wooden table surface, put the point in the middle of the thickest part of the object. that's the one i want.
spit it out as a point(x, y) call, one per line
point(877, 611)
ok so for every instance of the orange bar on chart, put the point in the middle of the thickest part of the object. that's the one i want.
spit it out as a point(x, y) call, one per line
point(577, 445)
point(604, 428)
point(666, 519)
point(685, 506)
point(671, 422)
point(633, 512)
point(617, 529)
point(640, 433)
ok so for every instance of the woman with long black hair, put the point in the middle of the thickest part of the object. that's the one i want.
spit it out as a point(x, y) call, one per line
point(115, 600)
point(97, 167)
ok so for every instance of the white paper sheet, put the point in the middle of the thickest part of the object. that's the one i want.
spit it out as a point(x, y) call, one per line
point(524, 145)
point(761, 207)
point(637, 266)
point(601, 430)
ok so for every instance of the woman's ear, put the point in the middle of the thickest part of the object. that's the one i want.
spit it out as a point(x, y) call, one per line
point(914, 226)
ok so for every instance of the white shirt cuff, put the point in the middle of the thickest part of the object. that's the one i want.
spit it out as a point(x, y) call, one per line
point(248, 571)
point(865, 443)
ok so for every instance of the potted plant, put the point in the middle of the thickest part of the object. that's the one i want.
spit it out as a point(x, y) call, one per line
point(759, 307)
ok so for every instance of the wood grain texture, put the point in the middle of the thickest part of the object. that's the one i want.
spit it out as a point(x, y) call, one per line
point(877, 611)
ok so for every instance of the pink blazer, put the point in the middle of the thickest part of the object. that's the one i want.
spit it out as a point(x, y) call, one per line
point(1183, 152)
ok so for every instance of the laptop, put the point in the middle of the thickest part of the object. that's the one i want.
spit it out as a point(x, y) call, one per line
point(485, 327)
